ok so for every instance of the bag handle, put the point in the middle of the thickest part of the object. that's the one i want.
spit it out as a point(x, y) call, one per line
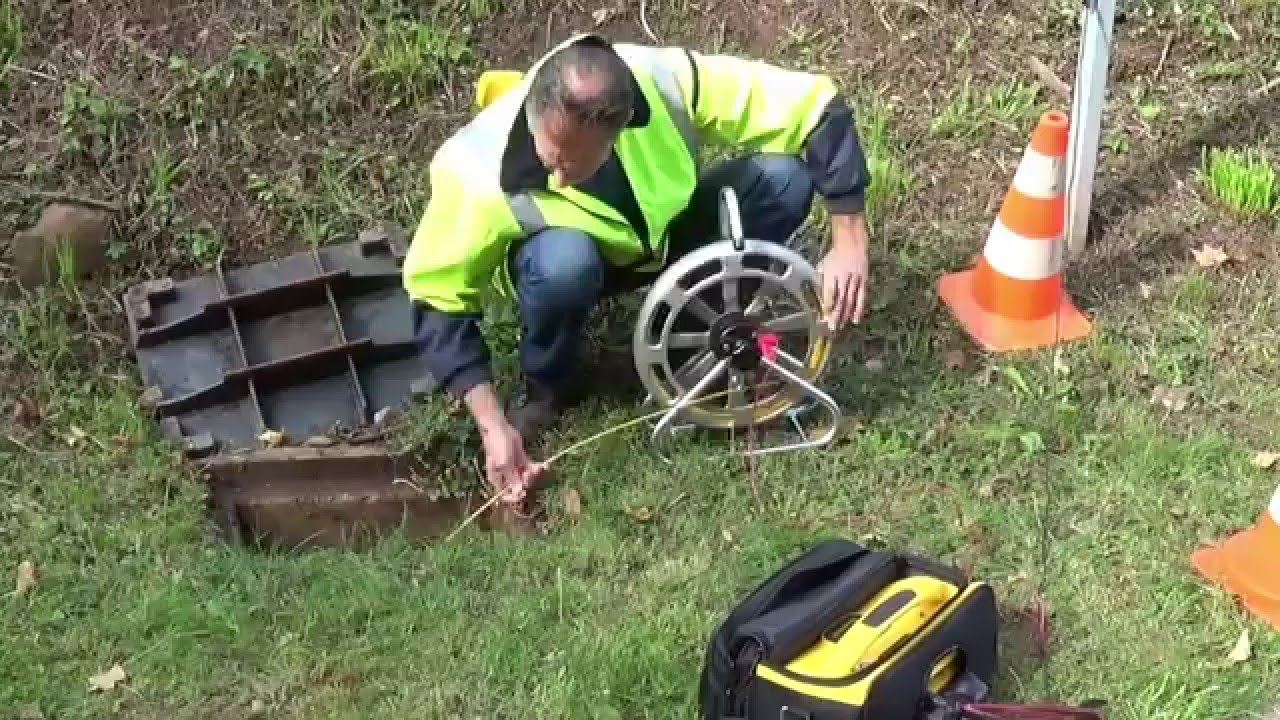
point(993, 711)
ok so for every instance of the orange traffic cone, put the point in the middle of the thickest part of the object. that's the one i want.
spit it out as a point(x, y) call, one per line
point(1247, 564)
point(1013, 299)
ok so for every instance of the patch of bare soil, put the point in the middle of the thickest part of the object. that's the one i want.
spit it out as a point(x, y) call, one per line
point(245, 128)
point(212, 123)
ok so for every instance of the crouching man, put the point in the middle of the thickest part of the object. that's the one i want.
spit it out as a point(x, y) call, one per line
point(582, 181)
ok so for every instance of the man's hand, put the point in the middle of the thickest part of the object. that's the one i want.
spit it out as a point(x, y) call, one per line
point(844, 272)
point(510, 472)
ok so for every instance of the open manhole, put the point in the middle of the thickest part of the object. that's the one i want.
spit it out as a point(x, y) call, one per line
point(342, 496)
point(274, 376)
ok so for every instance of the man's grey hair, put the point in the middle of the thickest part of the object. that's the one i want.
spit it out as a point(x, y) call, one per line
point(587, 82)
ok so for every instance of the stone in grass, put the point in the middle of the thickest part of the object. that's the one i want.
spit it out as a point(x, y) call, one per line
point(85, 231)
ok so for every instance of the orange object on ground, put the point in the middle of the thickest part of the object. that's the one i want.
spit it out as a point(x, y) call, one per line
point(1247, 564)
point(1014, 299)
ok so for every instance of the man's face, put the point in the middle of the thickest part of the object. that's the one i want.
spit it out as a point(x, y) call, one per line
point(569, 150)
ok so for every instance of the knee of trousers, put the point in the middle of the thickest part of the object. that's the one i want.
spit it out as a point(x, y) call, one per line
point(784, 187)
point(558, 269)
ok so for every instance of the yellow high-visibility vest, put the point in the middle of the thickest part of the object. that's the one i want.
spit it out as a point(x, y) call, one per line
point(458, 251)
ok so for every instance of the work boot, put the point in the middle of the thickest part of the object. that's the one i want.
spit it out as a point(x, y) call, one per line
point(536, 411)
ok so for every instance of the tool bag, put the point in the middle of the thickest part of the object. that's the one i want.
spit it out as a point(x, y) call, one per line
point(842, 632)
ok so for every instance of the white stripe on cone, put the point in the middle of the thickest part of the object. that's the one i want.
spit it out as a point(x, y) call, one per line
point(1018, 257)
point(1275, 506)
point(1040, 176)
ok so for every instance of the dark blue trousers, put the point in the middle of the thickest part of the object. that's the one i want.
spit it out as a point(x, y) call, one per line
point(560, 275)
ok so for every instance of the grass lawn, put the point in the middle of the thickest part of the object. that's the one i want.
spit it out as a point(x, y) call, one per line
point(1076, 481)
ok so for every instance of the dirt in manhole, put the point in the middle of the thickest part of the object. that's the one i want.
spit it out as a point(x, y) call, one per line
point(344, 496)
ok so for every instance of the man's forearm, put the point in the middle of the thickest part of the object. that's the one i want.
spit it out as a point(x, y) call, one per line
point(849, 232)
point(485, 407)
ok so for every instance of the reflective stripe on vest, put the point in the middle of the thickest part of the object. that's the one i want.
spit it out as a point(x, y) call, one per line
point(661, 64)
point(526, 212)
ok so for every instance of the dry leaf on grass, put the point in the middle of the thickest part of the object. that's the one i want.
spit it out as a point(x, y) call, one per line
point(1266, 460)
point(955, 359)
point(1243, 649)
point(271, 438)
point(151, 397)
point(108, 680)
point(986, 375)
point(1209, 256)
point(28, 576)
point(1060, 365)
point(1172, 398)
point(1145, 289)
point(75, 435)
point(1041, 633)
point(848, 427)
point(26, 413)
point(640, 514)
point(601, 16)
point(572, 502)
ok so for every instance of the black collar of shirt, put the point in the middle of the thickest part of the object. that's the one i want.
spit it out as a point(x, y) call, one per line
point(521, 168)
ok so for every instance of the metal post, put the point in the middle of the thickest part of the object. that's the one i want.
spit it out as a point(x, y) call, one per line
point(1087, 101)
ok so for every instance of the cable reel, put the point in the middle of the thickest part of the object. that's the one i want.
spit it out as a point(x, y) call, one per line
point(736, 327)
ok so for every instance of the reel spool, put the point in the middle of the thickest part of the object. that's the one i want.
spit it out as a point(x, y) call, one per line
point(723, 318)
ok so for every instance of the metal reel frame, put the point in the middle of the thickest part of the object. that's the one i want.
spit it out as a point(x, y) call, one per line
point(734, 344)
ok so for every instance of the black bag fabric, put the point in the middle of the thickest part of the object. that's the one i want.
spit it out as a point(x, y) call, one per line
point(789, 612)
point(784, 614)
